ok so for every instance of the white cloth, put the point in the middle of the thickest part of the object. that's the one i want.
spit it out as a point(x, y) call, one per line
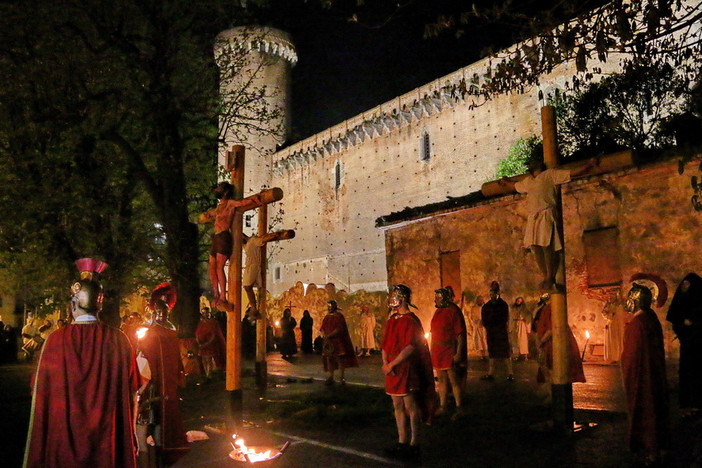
point(541, 226)
point(367, 331)
point(252, 271)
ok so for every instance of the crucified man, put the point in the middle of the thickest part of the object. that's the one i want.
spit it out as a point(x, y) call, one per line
point(541, 234)
point(252, 271)
point(222, 242)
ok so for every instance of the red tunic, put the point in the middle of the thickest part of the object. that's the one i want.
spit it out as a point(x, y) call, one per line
point(575, 362)
point(414, 374)
point(447, 326)
point(160, 347)
point(341, 343)
point(645, 383)
point(82, 406)
point(212, 343)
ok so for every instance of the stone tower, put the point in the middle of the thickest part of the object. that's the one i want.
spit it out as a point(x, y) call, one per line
point(254, 65)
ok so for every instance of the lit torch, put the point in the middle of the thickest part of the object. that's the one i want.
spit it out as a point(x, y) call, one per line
point(587, 340)
point(141, 333)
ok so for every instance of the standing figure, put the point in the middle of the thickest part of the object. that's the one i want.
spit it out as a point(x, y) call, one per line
point(367, 331)
point(478, 340)
point(685, 313)
point(542, 234)
point(542, 325)
point(31, 338)
point(82, 403)
point(10, 343)
point(645, 382)
point(337, 350)
point(211, 343)
point(495, 317)
point(306, 326)
point(160, 431)
point(613, 313)
point(222, 242)
point(409, 379)
point(448, 348)
point(518, 328)
point(287, 343)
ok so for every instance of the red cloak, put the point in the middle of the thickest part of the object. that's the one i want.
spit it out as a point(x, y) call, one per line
point(211, 340)
point(645, 383)
point(161, 348)
point(447, 327)
point(414, 374)
point(82, 405)
point(575, 362)
point(341, 341)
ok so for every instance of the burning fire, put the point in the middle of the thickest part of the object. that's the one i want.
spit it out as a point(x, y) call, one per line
point(427, 335)
point(587, 334)
point(248, 454)
point(141, 333)
point(277, 323)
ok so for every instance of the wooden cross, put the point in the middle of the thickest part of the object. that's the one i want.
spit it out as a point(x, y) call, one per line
point(235, 165)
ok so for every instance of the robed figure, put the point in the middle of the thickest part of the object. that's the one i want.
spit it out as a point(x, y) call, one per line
point(287, 343)
point(685, 314)
point(409, 379)
point(337, 351)
point(306, 326)
point(160, 430)
point(211, 342)
point(82, 402)
point(645, 381)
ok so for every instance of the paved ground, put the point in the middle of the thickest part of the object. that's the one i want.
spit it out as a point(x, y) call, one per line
point(349, 426)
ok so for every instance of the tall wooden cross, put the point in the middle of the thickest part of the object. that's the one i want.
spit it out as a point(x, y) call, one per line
point(235, 163)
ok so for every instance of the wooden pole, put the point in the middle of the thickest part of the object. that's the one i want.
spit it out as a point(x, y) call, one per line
point(561, 387)
point(262, 323)
point(236, 166)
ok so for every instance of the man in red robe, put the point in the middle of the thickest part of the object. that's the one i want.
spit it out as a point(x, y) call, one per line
point(544, 343)
point(337, 351)
point(448, 347)
point(409, 379)
point(645, 382)
point(160, 432)
point(82, 407)
point(211, 342)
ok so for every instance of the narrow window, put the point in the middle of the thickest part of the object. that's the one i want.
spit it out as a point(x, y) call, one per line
point(425, 147)
point(337, 175)
point(276, 276)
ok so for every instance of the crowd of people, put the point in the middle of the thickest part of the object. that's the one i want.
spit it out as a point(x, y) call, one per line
point(425, 374)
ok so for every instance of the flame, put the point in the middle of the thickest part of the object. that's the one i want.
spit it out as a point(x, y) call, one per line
point(277, 323)
point(251, 455)
point(427, 335)
point(587, 334)
point(141, 332)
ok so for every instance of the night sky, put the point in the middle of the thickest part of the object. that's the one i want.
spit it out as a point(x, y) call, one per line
point(346, 68)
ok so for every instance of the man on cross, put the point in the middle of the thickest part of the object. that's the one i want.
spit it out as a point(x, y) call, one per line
point(541, 234)
point(222, 242)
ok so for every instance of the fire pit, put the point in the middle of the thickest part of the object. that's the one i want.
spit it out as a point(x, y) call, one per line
point(256, 454)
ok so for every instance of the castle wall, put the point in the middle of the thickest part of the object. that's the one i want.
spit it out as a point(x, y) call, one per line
point(649, 207)
point(381, 168)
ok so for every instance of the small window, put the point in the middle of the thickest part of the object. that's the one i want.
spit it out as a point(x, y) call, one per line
point(337, 175)
point(425, 147)
point(602, 257)
point(276, 274)
point(248, 220)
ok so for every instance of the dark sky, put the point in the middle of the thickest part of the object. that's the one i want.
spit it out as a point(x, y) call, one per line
point(346, 68)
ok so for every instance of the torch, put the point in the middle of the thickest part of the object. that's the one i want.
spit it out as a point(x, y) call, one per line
point(587, 340)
